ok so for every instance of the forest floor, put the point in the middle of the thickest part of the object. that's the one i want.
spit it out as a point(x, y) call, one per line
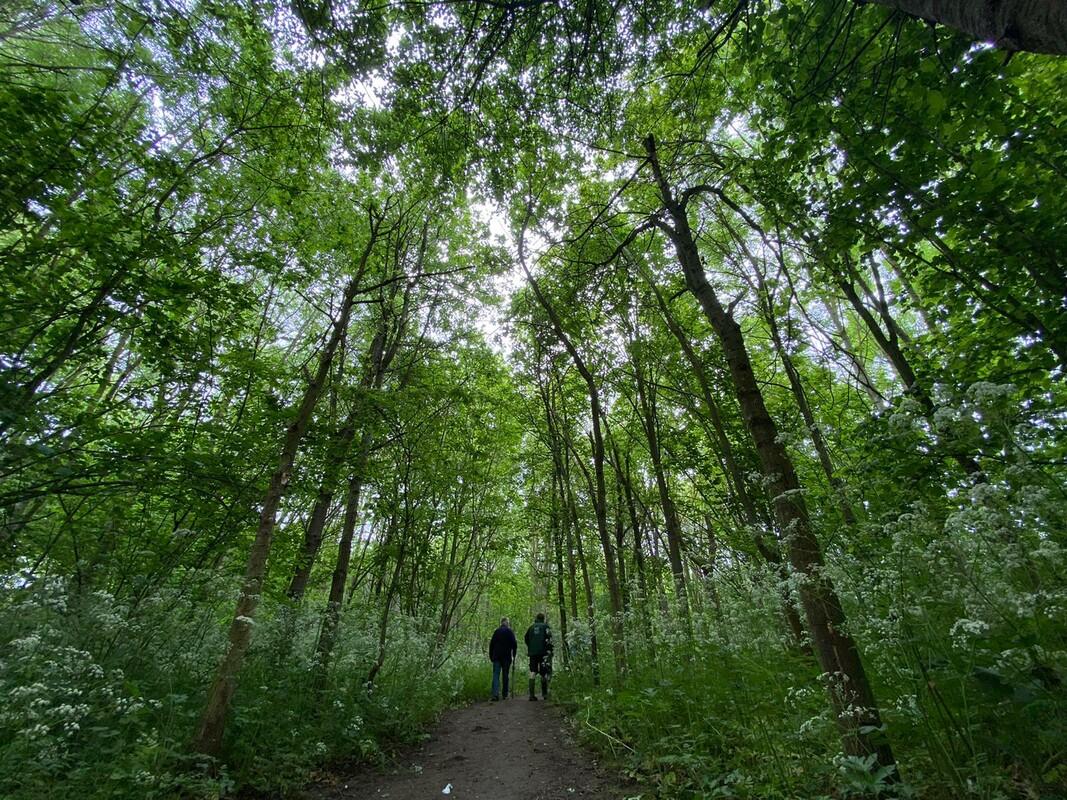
point(510, 750)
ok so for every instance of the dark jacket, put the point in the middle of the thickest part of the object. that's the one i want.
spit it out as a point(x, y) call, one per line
point(539, 639)
point(503, 645)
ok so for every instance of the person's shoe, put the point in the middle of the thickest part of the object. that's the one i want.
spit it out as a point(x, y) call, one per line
point(494, 698)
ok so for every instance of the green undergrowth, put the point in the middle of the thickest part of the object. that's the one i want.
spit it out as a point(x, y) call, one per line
point(715, 723)
point(962, 629)
point(101, 696)
point(730, 725)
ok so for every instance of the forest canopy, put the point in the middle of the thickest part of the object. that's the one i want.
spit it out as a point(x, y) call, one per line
point(729, 335)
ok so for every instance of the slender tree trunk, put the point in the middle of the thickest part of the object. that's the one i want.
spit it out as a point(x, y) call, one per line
point(104, 383)
point(339, 449)
point(708, 569)
point(560, 507)
point(635, 526)
point(383, 625)
point(932, 326)
point(890, 345)
point(383, 350)
point(212, 724)
point(312, 541)
point(448, 559)
point(622, 476)
point(671, 521)
point(769, 552)
point(569, 532)
point(600, 497)
point(557, 547)
point(587, 584)
point(801, 398)
point(862, 375)
point(734, 471)
point(620, 546)
point(852, 697)
point(887, 343)
point(331, 616)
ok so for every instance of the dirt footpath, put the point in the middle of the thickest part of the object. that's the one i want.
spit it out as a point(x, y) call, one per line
point(511, 750)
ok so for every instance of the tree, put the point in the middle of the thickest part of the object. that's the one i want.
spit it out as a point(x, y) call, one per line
point(853, 699)
point(1035, 27)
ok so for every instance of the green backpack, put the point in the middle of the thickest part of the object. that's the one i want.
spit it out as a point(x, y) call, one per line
point(538, 639)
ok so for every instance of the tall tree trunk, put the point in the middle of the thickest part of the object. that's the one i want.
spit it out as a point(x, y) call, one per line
point(309, 549)
point(590, 487)
point(932, 325)
point(557, 548)
point(671, 521)
point(620, 546)
point(561, 525)
point(569, 531)
point(752, 518)
point(332, 614)
point(379, 357)
point(600, 497)
point(622, 476)
point(449, 566)
point(801, 398)
point(707, 569)
point(890, 345)
point(590, 605)
point(851, 695)
point(383, 625)
point(887, 343)
point(212, 724)
point(862, 376)
point(338, 450)
point(734, 472)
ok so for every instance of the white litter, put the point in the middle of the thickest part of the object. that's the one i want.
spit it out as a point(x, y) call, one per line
point(447, 789)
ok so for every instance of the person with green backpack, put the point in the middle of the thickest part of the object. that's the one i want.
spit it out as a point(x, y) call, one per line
point(539, 648)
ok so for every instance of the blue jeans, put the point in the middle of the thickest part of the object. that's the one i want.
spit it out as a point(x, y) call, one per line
point(498, 667)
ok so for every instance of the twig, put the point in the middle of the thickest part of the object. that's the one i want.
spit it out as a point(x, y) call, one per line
point(602, 733)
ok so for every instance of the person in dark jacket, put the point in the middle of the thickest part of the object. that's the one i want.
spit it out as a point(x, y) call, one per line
point(539, 648)
point(502, 649)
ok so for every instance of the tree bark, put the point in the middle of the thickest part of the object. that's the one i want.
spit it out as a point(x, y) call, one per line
point(1036, 26)
point(801, 397)
point(671, 521)
point(560, 502)
point(600, 497)
point(622, 476)
point(620, 548)
point(557, 548)
point(338, 451)
point(590, 604)
point(382, 351)
point(862, 376)
point(851, 695)
point(734, 473)
point(212, 723)
point(331, 616)
point(312, 541)
point(890, 345)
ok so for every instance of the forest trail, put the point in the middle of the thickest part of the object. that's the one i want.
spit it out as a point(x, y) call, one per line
point(513, 749)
